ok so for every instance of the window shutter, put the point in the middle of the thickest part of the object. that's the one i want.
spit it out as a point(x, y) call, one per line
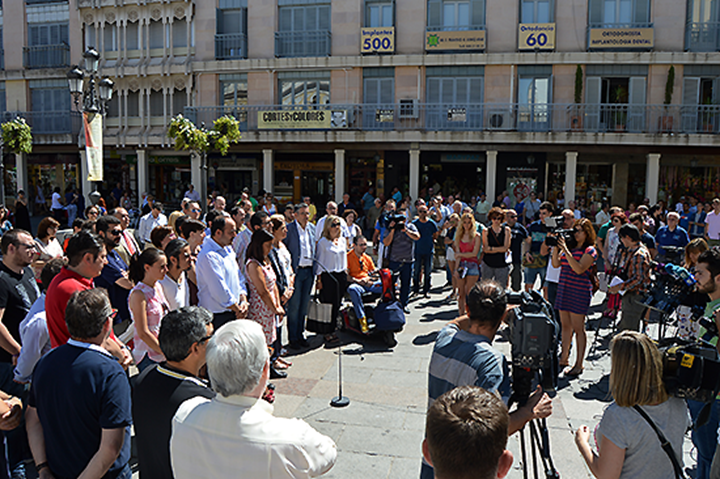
point(387, 95)
point(372, 95)
point(434, 13)
point(595, 10)
point(447, 90)
point(636, 98)
point(323, 17)
point(462, 90)
point(642, 11)
point(592, 90)
point(433, 90)
point(285, 19)
point(476, 90)
point(219, 21)
point(716, 91)
point(691, 91)
point(593, 85)
point(477, 12)
point(637, 91)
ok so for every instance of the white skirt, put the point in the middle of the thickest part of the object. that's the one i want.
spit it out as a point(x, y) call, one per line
point(449, 254)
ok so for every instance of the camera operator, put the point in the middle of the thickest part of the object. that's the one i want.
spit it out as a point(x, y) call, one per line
point(574, 289)
point(705, 438)
point(627, 446)
point(536, 256)
point(381, 231)
point(635, 259)
point(400, 242)
point(671, 235)
point(552, 275)
point(463, 355)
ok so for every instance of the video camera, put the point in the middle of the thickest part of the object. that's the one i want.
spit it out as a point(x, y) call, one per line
point(690, 370)
point(399, 220)
point(554, 227)
point(534, 335)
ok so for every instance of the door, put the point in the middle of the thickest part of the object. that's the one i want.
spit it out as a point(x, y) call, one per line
point(691, 114)
point(379, 108)
point(636, 108)
point(592, 103)
point(533, 99)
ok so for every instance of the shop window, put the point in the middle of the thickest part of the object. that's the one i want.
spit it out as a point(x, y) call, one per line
point(156, 103)
point(133, 104)
point(703, 27)
point(156, 34)
point(306, 89)
point(456, 14)
point(233, 89)
point(619, 13)
point(379, 13)
point(132, 36)
point(536, 11)
point(303, 31)
point(179, 34)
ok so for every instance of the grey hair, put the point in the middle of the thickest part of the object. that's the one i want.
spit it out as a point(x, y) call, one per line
point(236, 356)
point(182, 328)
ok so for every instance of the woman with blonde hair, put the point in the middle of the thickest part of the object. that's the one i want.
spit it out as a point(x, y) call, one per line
point(330, 269)
point(451, 226)
point(467, 266)
point(628, 447)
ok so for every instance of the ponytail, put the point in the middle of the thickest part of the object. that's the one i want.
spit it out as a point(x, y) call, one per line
point(136, 270)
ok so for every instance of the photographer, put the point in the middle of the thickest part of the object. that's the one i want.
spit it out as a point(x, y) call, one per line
point(400, 242)
point(627, 446)
point(574, 289)
point(463, 355)
point(635, 259)
point(536, 255)
point(381, 231)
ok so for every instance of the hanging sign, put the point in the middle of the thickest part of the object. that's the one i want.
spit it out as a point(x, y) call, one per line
point(377, 40)
point(302, 119)
point(536, 36)
point(621, 38)
point(92, 123)
point(459, 40)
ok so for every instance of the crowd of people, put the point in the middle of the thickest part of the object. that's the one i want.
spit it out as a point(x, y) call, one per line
point(197, 301)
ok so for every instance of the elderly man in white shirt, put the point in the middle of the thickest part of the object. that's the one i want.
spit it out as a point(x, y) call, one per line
point(222, 289)
point(151, 221)
point(331, 209)
point(235, 434)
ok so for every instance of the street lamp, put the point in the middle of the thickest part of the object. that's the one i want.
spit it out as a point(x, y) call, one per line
point(82, 83)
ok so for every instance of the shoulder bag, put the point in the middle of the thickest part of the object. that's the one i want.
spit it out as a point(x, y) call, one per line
point(664, 443)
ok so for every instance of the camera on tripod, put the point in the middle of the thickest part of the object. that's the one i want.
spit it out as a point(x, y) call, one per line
point(690, 370)
point(534, 334)
point(554, 227)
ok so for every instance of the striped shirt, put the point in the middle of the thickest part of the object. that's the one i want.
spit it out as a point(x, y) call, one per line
point(461, 358)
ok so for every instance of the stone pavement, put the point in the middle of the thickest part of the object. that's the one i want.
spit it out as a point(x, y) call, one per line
point(379, 434)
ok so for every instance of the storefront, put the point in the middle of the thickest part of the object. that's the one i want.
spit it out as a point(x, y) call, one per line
point(304, 175)
point(519, 173)
point(450, 173)
point(682, 175)
point(169, 178)
point(47, 171)
point(119, 167)
point(230, 175)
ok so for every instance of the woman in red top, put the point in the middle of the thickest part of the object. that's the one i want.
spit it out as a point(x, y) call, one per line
point(467, 266)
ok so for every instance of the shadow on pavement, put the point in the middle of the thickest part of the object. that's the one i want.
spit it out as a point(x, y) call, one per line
point(423, 339)
point(442, 316)
point(596, 391)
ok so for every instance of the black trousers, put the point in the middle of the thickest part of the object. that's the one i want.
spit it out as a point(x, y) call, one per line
point(334, 286)
point(221, 318)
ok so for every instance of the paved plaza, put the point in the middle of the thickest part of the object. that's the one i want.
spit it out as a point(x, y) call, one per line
point(379, 434)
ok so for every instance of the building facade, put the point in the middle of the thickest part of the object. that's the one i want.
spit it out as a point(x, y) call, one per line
point(562, 96)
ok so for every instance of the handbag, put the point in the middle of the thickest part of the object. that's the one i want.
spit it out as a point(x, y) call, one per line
point(320, 319)
point(664, 443)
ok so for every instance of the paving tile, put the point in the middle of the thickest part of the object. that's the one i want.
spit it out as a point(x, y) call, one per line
point(382, 441)
point(386, 377)
point(360, 465)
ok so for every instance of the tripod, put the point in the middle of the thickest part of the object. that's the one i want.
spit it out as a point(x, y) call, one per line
point(539, 436)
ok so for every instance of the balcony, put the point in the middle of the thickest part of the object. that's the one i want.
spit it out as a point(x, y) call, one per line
point(481, 117)
point(47, 56)
point(702, 37)
point(48, 122)
point(302, 44)
point(230, 46)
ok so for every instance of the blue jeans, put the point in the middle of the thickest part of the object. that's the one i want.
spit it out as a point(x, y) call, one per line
point(422, 261)
point(297, 307)
point(405, 270)
point(356, 291)
point(16, 442)
point(705, 437)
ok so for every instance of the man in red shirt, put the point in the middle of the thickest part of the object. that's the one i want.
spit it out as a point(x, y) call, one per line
point(86, 258)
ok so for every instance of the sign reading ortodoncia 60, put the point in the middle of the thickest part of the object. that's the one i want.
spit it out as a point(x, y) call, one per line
point(302, 119)
point(92, 123)
point(458, 40)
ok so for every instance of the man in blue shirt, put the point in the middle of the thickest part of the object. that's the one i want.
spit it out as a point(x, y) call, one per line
point(368, 200)
point(79, 414)
point(424, 249)
point(114, 276)
point(463, 356)
point(671, 235)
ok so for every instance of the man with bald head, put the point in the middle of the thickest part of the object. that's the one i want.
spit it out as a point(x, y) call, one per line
point(128, 246)
point(330, 209)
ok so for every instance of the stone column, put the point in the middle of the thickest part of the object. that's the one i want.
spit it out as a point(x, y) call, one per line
point(143, 173)
point(196, 172)
point(268, 177)
point(491, 174)
point(652, 177)
point(414, 179)
point(570, 175)
point(22, 176)
point(339, 175)
point(87, 186)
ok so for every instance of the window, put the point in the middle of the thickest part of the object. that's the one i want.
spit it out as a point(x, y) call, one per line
point(303, 31)
point(456, 14)
point(179, 102)
point(703, 30)
point(615, 97)
point(536, 11)
point(700, 97)
point(534, 90)
point(90, 36)
point(48, 34)
point(379, 86)
point(230, 40)
point(113, 107)
point(231, 21)
point(619, 13)
point(156, 103)
point(133, 103)
point(233, 89)
point(3, 102)
point(156, 34)
point(132, 36)
point(305, 88)
point(179, 34)
point(454, 89)
point(110, 38)
point(378, 13)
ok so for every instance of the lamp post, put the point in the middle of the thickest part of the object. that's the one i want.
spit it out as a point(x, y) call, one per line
point(84, 82)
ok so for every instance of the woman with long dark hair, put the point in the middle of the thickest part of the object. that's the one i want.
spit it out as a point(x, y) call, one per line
point(148, 305)
point(46, 243)
point(574, 289)
point(496, 244)
point(281, 262)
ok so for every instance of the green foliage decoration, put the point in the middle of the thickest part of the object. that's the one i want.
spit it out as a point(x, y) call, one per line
point(670, 85)
point(578, 84)
point(17, 136)
point(187, 136)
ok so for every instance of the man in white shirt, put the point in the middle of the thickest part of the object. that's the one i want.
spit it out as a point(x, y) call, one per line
point(222, 289)
point(151, 221)
point(57, 206)
point(192, 194)
point(300, 241)
point(331, 209)
point(482, 208)
point(712, 224)
point(603, 216)
point(237, 422)
point(174, 284)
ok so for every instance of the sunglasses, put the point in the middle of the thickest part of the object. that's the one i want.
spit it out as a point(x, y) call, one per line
point(115, 232)
point(335, 225)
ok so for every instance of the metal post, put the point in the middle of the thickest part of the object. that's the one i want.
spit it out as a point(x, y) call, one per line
point(2, 173)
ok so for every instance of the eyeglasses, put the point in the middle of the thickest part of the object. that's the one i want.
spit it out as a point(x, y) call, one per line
point(195, 210)
point(113, 313)
point(115, 232)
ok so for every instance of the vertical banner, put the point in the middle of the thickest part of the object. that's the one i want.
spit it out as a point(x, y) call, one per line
point(92, 123)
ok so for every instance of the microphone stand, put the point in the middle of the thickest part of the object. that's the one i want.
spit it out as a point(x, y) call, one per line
point(339, 400)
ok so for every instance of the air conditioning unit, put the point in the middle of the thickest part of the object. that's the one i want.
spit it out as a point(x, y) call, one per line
point(499, 119)
point(408, 108)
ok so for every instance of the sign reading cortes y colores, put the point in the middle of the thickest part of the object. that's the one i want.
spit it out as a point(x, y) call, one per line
point(536, 36)
point(621, 38)
point(302, 119)
point(459, 40)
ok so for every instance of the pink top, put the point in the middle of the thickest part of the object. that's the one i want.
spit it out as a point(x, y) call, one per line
point(157, 307)
point(468, 248)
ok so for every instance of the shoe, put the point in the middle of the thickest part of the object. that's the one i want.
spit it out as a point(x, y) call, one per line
point(304, 343)
point(426, 295)
point(295, 345)
point(275, 374)
point(280, 365)
point(406, 310)
point(363, 324)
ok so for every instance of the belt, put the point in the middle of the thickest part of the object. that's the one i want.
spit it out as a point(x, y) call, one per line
point(304, 267)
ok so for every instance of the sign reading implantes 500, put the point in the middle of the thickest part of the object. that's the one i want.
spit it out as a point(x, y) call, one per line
point(377, 40)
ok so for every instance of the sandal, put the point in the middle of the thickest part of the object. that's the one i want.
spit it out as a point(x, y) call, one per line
point(332, 338)
point(278, 365)
point(284, 362)
point(573, 373)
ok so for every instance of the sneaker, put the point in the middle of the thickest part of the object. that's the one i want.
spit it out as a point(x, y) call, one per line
point(363, 324)
point(406, 310)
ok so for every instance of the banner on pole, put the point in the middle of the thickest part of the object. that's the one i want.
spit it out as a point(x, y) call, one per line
point(92, 123)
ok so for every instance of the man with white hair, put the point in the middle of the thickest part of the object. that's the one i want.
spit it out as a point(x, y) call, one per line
point(670, 235)
point(330, 209)
point(236, 434)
